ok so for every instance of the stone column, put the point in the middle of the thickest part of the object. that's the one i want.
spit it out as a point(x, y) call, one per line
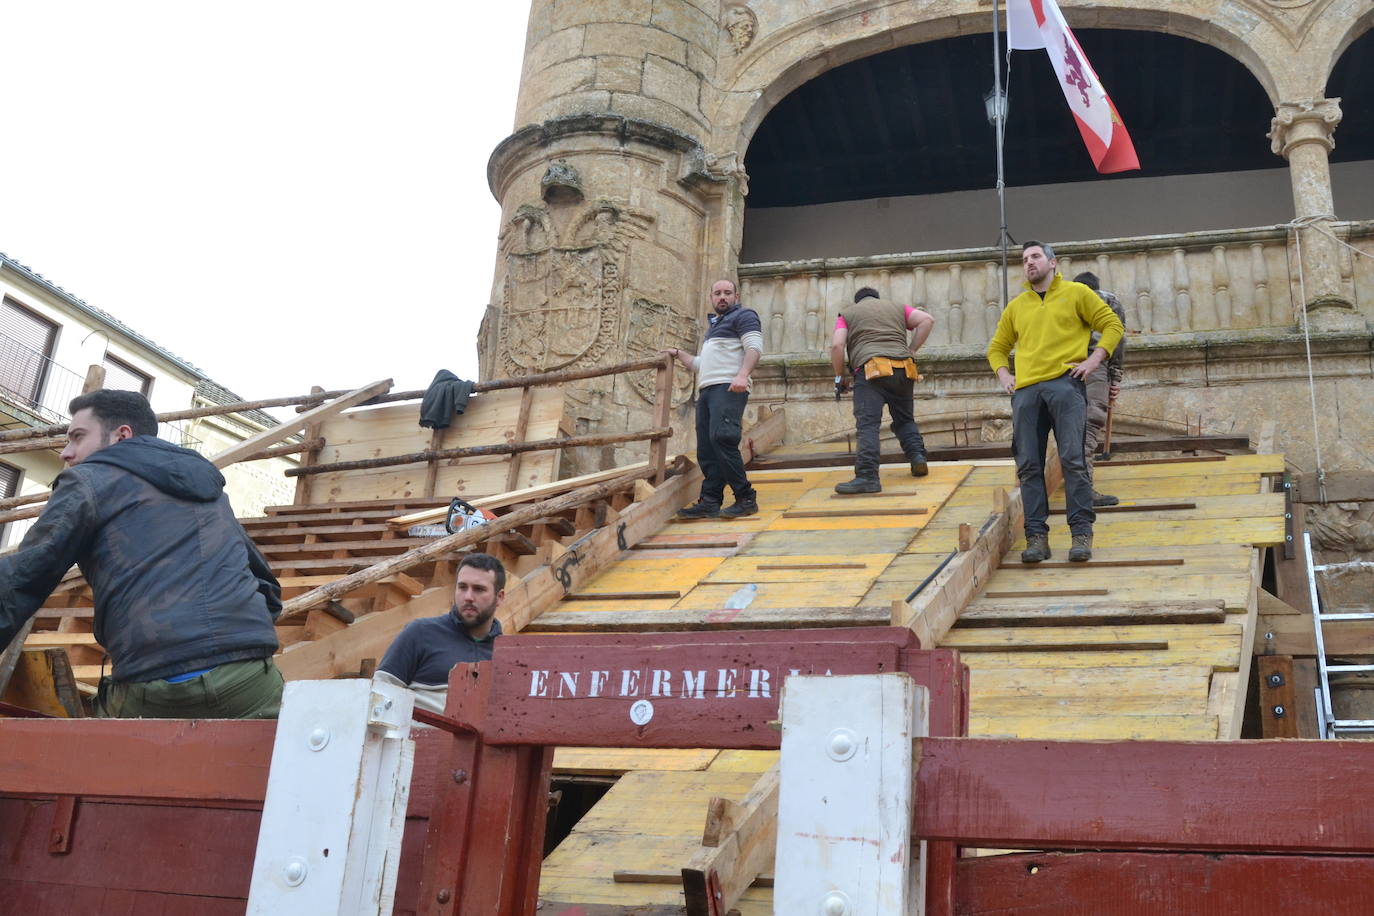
point(1302, 133)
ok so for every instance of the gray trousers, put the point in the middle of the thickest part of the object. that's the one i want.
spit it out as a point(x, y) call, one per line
point(1097, 391)
point(1057, 404)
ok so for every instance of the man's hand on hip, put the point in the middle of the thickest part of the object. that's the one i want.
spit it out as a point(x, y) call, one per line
point(1007, 381)
point(1089, 365)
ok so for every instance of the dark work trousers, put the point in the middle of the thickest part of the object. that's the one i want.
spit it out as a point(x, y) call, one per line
point(720, 418)
point(870, 396)
point(1059, 404)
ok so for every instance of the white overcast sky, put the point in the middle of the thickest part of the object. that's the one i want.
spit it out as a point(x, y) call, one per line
point(282, 193)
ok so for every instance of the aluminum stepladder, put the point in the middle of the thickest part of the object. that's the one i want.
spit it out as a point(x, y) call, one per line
point(1328, 725)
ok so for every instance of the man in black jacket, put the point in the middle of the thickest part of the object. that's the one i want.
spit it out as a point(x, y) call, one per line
point(184, 602)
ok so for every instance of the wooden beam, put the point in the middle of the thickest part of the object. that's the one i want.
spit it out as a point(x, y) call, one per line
point(453, 542)
point(1341, 487)
point(1197, 796)
point(275, 434)
point(1049, 593)
point(1135, 507)
point(623, 596)
point(1065, 564)
point(1096, 614)
point(680, 619)
point(1150, 883)
point(737, 846)
point(476, 451)
point(528, 494)
point(1277, 698)
point(663, 416)
point(521, 429)
point(764, 436)
point(939, 605)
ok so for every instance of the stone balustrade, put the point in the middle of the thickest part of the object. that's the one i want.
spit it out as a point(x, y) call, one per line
point(1169, 285)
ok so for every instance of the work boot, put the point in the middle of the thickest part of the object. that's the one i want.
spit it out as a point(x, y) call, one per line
point(859, 485)
point(741, 508)
point(1082, 549)
point(1102, 499)
point(919, 468)
point(1037, 548)
point(700, 510)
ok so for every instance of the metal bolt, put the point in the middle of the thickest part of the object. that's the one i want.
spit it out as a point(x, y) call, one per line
point(1275, 680)
point(841, 744)
point(1280, 712)
point(294, 871)
point(443, 896)
point(460, 776)
point(318, 738)
point(835, 904)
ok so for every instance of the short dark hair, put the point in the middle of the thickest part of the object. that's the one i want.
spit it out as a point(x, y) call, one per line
point(1043, 246)
point(1088, 279)
point(113, 408)
point(486, 562)
point(866, 292)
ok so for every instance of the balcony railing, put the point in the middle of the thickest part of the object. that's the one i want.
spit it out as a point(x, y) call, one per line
point(35, 390)
point(1169, 285)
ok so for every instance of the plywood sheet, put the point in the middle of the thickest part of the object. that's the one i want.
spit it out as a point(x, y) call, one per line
point(394, 429)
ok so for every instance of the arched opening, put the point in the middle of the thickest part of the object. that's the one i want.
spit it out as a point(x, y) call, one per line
point(894, 152)
point(1352, 161)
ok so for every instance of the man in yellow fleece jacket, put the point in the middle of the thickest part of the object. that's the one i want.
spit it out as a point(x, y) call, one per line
point(1049, 326)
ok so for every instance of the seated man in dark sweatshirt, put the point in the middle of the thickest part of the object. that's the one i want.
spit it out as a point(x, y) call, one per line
point(426, 650)
point(184, 602)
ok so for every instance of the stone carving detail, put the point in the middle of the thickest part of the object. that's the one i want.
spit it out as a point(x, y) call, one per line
point(655, 326)
point(561, 184)
point(1304, 121)
point(563, 291)
point(1342, 527)
point(995, 430)
point(741, 25)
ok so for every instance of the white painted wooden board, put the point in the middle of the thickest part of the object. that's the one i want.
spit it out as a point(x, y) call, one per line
point(846, 796)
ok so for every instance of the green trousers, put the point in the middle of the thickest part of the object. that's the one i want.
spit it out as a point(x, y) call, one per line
point(237, 690)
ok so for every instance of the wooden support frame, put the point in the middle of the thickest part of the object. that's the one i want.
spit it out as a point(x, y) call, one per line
point(275, 434)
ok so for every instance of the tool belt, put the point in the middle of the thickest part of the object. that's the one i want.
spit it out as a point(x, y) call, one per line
point(882, 366)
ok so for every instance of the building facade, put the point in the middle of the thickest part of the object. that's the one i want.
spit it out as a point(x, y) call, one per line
point(50, 340)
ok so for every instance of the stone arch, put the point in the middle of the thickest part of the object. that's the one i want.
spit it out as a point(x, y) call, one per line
point(798, 52)
point(1339, 44)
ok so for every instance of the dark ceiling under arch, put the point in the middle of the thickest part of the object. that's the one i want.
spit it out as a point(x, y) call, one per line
point(912, 120)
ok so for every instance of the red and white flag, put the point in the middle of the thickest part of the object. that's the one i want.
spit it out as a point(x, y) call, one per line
point(1034, 24)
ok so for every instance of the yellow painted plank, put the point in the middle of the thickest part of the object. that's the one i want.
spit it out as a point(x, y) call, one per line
point(779, 594)
point(850, 542)
point(1175, 488)
point(1193, 702)
point(807, 567)
point(1106, 635)
point(1259, 532)
point(612, 604)
point(648, 821)
point(744, 761)
point(1075, 727)
point(846, 522)
point(1222, 654)
point(1258, 505)
point(1044, 682)
point(613, 761)
point(638, 574)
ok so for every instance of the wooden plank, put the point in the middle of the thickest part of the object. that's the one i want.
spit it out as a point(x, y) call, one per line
point(522, 425)
point(1148, 884)
point(1287, 634)
point(613, 761)
point(684, 619)
point(1133, 507)
point(9, 658)
point(275, 434)
point(1095, 563)
point(764, 436)
point(1048, 593)
point(1095, 727)
point(737, 846)
point(622, 596)
point(1341, 487)
point(1171, 796)
point(1104, 614)
point(1233, 719)
point(858, 511)
point(688, 542)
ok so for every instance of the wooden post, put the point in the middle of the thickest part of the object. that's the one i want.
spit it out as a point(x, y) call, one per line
point(436, 442)
point(522, 426)
point(95, 378)
point(311, 432)
point(852, 854)
point(663, 405)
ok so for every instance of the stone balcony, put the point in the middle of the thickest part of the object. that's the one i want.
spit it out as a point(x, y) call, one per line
point(1173, 287)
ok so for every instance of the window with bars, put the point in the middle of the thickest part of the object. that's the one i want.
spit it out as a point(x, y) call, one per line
point(26, 347)
point(9, 486)
point(121, 375)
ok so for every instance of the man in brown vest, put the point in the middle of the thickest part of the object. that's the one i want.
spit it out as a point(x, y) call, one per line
point(871, 340)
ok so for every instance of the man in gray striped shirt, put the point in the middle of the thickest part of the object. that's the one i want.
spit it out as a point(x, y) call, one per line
point(733, 345)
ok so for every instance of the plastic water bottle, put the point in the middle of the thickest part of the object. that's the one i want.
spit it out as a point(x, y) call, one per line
point(743, 597)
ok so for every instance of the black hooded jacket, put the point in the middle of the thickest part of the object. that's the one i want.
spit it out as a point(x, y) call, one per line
point(178, 585)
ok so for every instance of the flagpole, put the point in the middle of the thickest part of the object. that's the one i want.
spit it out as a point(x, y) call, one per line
point(1000, 102)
